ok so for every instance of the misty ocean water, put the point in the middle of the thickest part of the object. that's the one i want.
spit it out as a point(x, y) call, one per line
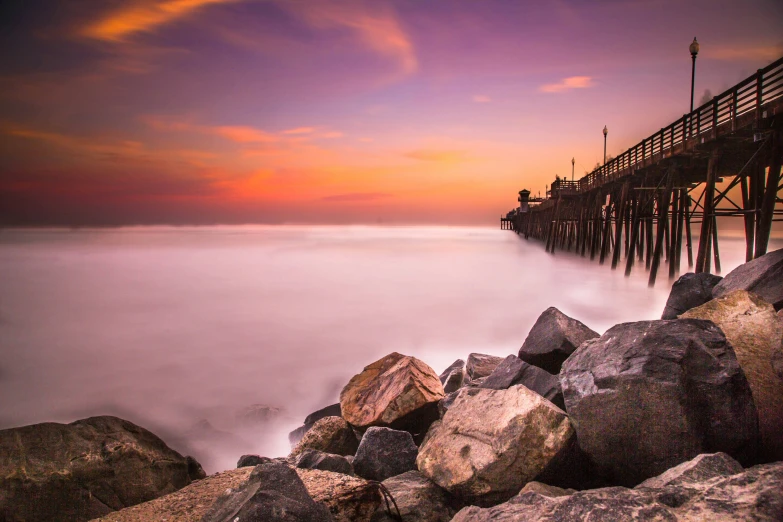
point(180, 330)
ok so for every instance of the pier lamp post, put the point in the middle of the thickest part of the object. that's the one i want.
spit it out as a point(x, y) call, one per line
point(694, 48)
point(605, 133)
point(573, 161)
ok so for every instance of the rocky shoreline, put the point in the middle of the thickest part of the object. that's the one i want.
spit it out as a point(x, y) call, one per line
point(675, 419)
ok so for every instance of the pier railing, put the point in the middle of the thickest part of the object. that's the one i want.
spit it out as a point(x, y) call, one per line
point(733, 108)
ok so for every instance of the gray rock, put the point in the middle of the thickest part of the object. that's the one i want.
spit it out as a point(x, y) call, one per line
point(704, 467)
point(296, 435)
point(480, 365)
point(649, 395)
point(457, 365)
point(689, 291)
point(246, 461)
point(552, 339)
point(753, 494)
point(384, 453)
point(490, 443)
point(314, 459)
point(514, 370)
point(453, 377)
point(762, 276)
point(273, 493)
point(418, 499)
point(330, 435)
point(84, 470)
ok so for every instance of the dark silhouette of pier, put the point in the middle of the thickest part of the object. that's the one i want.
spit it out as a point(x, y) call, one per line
point(721, 160)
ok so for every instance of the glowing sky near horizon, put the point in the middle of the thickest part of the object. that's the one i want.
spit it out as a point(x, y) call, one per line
point(252, 111)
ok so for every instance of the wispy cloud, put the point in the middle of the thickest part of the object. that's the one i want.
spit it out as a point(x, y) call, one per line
point(357, 197)
point(242, 134)
point(300, 130)
point(480, 98)
point(735, 53)
point(437, 155)
point(375, 24)
point(139, 16)
point(572, 82)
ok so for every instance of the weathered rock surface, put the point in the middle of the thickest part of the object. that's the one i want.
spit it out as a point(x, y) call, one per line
point(396, 391)
point(514, 370)
point(333, 410)
point(418, 499)
point(552, 339)
point(445, 403)
point(349, 499)
point(689, 291)
point(84, 470)
point(704, 467)
point(453, 377)
point(480, 365)
point(188, 504)
point(314, 459)
point(649, 395)
point(751, 495)
point(246, 461)
point(385, 453)
point(491, 442)
point(330, 435)
point(545, 490)
point(273, 492)
point(756, 334)
point(762, 276)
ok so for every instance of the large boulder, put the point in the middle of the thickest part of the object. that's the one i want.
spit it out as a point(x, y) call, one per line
point(552, 339)
point(649, 395)
point(704, 467)
point(480, 365)
point(330, 435)
point(689, 291)
point(396, 391)
point(756, 334)
point(753, 494)
point(762, 276)
point(385, 453)
point(491, 442)
point(83, 470)
point(418, 499)
point(514, 370)
point(349, 499)
point(333, 410)
point(251, 461)
point(453, 377)
point(314, 459)
point(273, 493)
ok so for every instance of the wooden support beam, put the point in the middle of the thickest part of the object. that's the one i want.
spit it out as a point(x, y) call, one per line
point(618, 227)
point(605, 236)
point(663, 210)
point(749, 207)
point(770, 194)
point(702, 258)
point(635, 224)
point(673, 234)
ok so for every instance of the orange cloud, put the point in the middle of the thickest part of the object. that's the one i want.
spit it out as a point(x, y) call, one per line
point(142, 16)
point(437, 155)
point(378, 28)
point(760, 52)
point(300, 130)
point(572, 82)
point(243, 134)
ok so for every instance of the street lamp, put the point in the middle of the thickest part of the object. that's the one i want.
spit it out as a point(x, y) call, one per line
point(694, 48)
point(573, 161)
point(605, 133)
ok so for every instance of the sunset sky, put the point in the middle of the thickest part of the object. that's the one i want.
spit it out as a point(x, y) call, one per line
point(307, 111)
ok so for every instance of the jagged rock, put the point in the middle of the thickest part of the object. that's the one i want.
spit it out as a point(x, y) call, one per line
point(649, 395)
point(453, 377)
point(384, 453)
point(753, 494)
point(762, 276)
point(330, 435)
point(396, 391)
point(83, 470)
point(552, 339)
point(546, 490)
point(704, 467)
point(195, 471)
point(333, 410)
point(689, 291)
point(756, 334)
point(349, 499)
point(445, 403)
point(514, 370)
point(480, 365)
point(314, 459)
point(251, 461)
point(418, 499)
point(491, 442)
point(273, 492)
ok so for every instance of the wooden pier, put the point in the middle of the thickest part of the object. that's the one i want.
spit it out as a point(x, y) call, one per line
point(721, 160)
